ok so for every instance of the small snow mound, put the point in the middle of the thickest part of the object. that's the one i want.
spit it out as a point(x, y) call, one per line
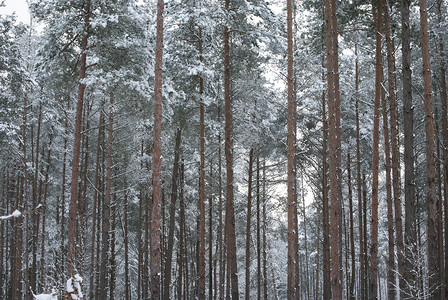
point(52, 296)
point(16, 213)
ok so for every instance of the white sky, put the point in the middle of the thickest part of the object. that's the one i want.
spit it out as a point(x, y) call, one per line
point(20, 7)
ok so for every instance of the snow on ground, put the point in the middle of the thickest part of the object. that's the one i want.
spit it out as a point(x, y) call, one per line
point(52, 296)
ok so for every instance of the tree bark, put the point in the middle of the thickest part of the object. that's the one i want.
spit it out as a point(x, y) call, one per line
point(37, 197)
point(230, 210)
point(157, 160)
point(373, 286)
point(96, 200)
point(443, 99)
point(248, 222)
point(265, 261)
point(106, 206)
point(127, 283)
point(307, 263)
point(359, 188)
point(434, 267)
point(334, 147)
point(365, 240)
point(390, 213)
point(112, 260)
point(182, 257)
point(220, 223)
point(72, 230)
point(352, 235)
point(292, 292)
point(410, 240)
point(64, 179)
point(395, 148)
point(44, 209)
point(325, 207)
point(201, 275)
point(210, 243)
point(169, 252)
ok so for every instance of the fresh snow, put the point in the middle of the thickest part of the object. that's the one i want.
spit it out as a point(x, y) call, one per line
point(52, 296)
point(46, 297)
point(15, 214)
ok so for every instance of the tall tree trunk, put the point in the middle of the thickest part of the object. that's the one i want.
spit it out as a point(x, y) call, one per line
point(44, 209)
point(37, 196)
point(182, 257)
point(100, 207)
point(410, 240)
point(127, 283)
point(439, 203)
point(390, 213)
point(265, 260)
point(96, 200)
point(201, 275)
point(72, 230)
point(248, 222)
point(169, 252)
point(146, 239)
point(358, 183)
point(434, 267)
point(325, 207)
point(64, 179)
point(106, 205)
point(14, 241)
point(443, 99)
point(230, 210)
point(395, 148)
point(157, 160)
point(352, 235)
point(22, 205)
point(334, 147)
point(220, 223)
point(112, 260)
point(373, 286)
point(292, 292)
point(346, 252)
point(210, 242)
point(307, 263)
point(163, 242)
point(258, 231)
point(365, 257)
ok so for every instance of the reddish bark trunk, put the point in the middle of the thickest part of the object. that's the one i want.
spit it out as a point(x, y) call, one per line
point(157, 160)
point(443, 98)
point(169, 252)
point(434, 267)
point(395, 148)
point(373, 284)
point(72, 230)
point(334, 147)
point(410, 240)
point(390, 213)
point(292, 292)
point(325, 207)
point(230, 210)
